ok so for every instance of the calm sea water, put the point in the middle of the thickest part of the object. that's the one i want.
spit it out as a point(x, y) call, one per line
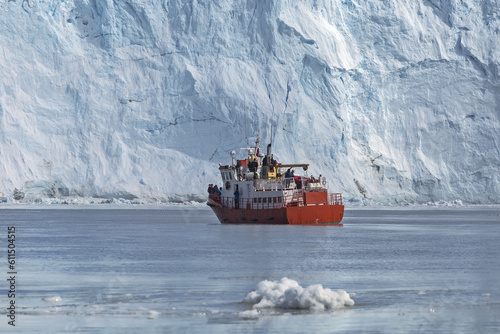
point(178, 270)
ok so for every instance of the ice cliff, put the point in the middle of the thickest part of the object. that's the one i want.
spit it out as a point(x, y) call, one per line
point(394, 101)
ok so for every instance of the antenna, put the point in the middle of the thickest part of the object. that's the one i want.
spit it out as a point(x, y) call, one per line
point(245, 107)
point(271, 134)
point(233, 155)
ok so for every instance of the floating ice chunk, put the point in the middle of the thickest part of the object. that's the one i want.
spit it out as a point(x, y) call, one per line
point(143, 311)
point(153, 314)
point(249, 314)
point(288, 294)
point(200, 314)
point(53, 300)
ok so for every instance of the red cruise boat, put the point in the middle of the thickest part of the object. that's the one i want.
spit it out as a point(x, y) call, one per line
point(257, 190)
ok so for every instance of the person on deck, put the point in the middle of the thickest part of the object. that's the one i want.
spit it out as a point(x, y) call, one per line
point(216, 193)
point(237, 198)
point(252, 166)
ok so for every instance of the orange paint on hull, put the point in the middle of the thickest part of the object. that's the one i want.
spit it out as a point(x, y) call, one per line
point(315, 214)
point(298, 215)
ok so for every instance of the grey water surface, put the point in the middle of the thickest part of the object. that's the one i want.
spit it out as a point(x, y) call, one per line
point(178, 270)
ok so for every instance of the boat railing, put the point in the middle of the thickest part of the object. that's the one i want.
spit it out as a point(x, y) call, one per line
point(263, 203)
point(289, 183)
point(335, 199)
point(274, 184)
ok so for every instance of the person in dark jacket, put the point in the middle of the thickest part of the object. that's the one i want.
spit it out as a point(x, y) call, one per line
point(210, 190)
point(237, 198)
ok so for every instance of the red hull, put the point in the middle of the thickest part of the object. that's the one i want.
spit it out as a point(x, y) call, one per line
point(294, 215)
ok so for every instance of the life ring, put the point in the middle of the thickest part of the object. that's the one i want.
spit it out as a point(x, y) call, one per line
point(228, 185)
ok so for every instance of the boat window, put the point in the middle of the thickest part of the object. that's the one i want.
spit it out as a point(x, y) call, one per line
point(274, 199)
point(264, 200)
point(260, 199)
point(255, 200)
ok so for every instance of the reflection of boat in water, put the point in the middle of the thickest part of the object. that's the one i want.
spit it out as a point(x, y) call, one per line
point(255, 191)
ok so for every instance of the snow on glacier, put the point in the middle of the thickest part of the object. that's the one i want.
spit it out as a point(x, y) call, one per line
point(394, 101)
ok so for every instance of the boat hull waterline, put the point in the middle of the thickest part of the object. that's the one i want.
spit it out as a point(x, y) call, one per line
point(298, 215)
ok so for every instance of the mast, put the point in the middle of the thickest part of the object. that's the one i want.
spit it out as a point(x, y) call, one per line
point(271, 134)
point(245, 108)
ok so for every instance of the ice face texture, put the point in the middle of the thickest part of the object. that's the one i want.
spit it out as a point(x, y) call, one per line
point(393, 102)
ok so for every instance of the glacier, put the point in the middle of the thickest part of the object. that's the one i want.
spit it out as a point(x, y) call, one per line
point(394, 102)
